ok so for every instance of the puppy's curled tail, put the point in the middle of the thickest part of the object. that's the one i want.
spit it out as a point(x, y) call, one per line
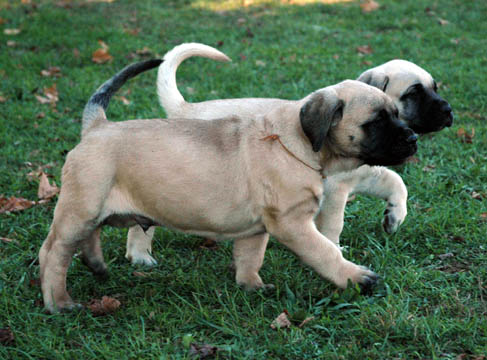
point(167, 90)
point(94, 112)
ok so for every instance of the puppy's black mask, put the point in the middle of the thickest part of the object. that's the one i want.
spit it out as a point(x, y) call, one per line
point(424, 110)
point(388, 140)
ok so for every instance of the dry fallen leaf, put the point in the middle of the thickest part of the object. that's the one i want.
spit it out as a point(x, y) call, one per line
point(282, 321)
point(445, 256)
point(140, 274)
point(104, 306)
point(6, 337)
point(2, 21)
point(2, 99)
point(11, 31)
point(369, 6)
point(51, 71)
point(305, 321)
point(203, 350)
point(14, 204)
point(101, 56)
point(123, 99)
point(429, 168)
point(464, 136)
point(51, 96)
point(477, 196)
point(46, 190)
point(443, 22)
point(145, 51)
point(4, 239)
point(364, 49)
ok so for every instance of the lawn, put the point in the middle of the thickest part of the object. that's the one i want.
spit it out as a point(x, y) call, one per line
point(432, 300)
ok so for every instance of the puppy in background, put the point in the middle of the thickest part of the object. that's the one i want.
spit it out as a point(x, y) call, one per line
point(229, 178)
point(411, 88)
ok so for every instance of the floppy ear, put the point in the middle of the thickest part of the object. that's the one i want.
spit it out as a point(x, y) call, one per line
point(375, 78)
point(319, 113)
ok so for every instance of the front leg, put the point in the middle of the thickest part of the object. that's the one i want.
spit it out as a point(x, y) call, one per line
point(301, 236)
point(139, 246)
point(385, 184)
point(377, 181)
point(329, 220)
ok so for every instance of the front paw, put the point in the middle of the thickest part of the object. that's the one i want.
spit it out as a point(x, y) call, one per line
point(394, 216)
point(141, 258)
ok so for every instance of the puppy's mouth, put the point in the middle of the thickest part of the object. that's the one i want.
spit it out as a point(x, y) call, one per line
point(394, 157)
point(436, 122)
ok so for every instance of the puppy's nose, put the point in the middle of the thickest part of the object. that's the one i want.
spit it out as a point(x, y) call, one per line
point(445, 108)
point(412, 138)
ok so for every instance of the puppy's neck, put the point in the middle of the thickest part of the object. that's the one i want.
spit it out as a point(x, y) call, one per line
point(284, 122)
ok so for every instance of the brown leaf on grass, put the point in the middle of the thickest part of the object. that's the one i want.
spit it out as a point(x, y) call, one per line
point(14, 204)
point(50, 95)
point(7, 240)
point(202, 350)
point(104, 306)
point(364, 49)
point(2, 99)
point(477, 196)
point(133, 32)
point(443, 22)
point(101, 56)
point(51, 71)
point(445, 256)
point(140, 274)
point(145, 51)
point(11, 31)
point(46, 190)
point(464, 136)
point(123, 99)
point(11, 43)
point(2, 21)
point(282, 321)
point(305, 321)
point(6, 337)
point(429, 168)
point(369, 6)
point(412, 159)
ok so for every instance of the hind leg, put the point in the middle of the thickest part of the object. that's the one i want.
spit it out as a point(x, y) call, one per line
point(139, 246)
point(248, 255)
point(55, 257)
point(92, 254)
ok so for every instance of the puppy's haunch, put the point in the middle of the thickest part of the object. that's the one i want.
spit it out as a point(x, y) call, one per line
point(184, 174)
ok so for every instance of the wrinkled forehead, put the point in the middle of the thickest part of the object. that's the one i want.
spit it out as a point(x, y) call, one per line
point(359, 96)
point(403, 74)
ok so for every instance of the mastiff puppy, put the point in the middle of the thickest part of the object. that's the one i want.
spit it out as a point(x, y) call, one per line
point(411, 88)
point(234, 177)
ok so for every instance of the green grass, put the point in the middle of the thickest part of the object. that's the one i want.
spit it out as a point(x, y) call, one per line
point(425, 307)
